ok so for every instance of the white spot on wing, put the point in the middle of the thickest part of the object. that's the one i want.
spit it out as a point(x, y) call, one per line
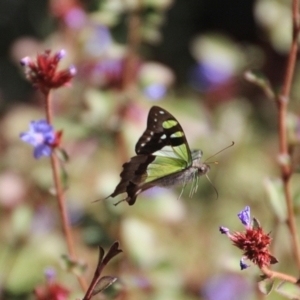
point(151, 132)
point(155, 120)
point(143, 144)
point(148, 139)
point(161, 112)
point(163, 137)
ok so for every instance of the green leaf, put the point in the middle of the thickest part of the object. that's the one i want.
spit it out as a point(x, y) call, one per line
point(73, 266)
point(289, 290)
point(275, 192)
point(62, 154)
point(284, 159)
point(103, 284)
point(255, 224)
point(261, 81)
point(101, 255)
point(266, 285)
point(112, 252)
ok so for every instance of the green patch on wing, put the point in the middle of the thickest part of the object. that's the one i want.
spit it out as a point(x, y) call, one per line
point(169, 124)
point(163, 166)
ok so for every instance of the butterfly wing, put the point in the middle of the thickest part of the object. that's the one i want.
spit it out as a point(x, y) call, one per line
point(162, 150)
point(164, 137)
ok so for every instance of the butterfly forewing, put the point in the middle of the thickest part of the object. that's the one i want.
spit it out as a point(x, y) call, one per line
point(164, 137)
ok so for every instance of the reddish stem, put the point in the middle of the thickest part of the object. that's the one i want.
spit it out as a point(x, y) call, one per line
point(133, 42)
point(93, 284)
point(282, 101)
point(285, 277)
point(61, 198)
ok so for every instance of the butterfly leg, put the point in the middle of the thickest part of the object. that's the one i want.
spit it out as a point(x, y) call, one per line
point(181, 192)
point(194, 187)
point(197, 184)
point(184, 184)
point(115, 204)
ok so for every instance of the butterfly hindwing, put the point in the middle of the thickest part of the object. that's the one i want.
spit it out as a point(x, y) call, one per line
point(133, 174)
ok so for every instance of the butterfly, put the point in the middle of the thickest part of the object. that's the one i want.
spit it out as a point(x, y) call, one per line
point(163, 158)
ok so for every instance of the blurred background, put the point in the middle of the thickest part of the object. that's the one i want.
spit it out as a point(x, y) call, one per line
point(187, 56)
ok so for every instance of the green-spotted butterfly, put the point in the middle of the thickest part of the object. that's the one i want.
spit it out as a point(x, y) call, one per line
point(163, 158)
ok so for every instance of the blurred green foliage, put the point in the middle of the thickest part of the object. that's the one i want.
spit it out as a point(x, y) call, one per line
point(172, 248)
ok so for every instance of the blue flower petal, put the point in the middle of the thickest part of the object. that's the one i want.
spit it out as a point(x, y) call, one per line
point(41, 126)
point(40, 135)
point(243, 265)
point(223, 230)
point(155, 91)
point(27, 137)
point(244, 216)
point(41, 150)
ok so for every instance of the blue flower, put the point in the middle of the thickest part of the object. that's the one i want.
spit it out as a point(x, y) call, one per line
point(226, 286)
point(155, 91)
point(243, 265)
point(41, 136)
point(244, 216)
point(223, 230)
point(50, 274)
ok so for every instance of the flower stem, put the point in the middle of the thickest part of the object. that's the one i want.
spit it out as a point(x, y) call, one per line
point(273, 274)
point(61, 199)
point(133, 42)
point(282, 101)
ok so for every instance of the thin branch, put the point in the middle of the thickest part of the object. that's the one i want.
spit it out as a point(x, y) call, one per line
point(273, 274)
point(133, 43)
point(103, 260)
point(61, 198)
point(282, 101)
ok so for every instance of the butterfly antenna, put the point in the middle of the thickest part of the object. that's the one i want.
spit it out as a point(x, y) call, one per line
point(97, 200)
point(212, 185)
point(220, 152)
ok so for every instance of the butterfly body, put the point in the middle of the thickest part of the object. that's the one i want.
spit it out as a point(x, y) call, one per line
point(163, 158)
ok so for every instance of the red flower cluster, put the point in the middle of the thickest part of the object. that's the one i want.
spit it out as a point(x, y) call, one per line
point(52, 290)
point(255, 246)
point(254, 242)
point(43, 72)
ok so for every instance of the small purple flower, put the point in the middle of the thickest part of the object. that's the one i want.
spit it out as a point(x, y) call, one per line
point(99, 41)
point(61, 54)
point(50, 274)
point(72, 70)
point(244, 216)
point(155, 91)
point(75, 18)
point(25, 61)
point(226, 286)
point(41, 136)
point(223, 230)
point(243, 265)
